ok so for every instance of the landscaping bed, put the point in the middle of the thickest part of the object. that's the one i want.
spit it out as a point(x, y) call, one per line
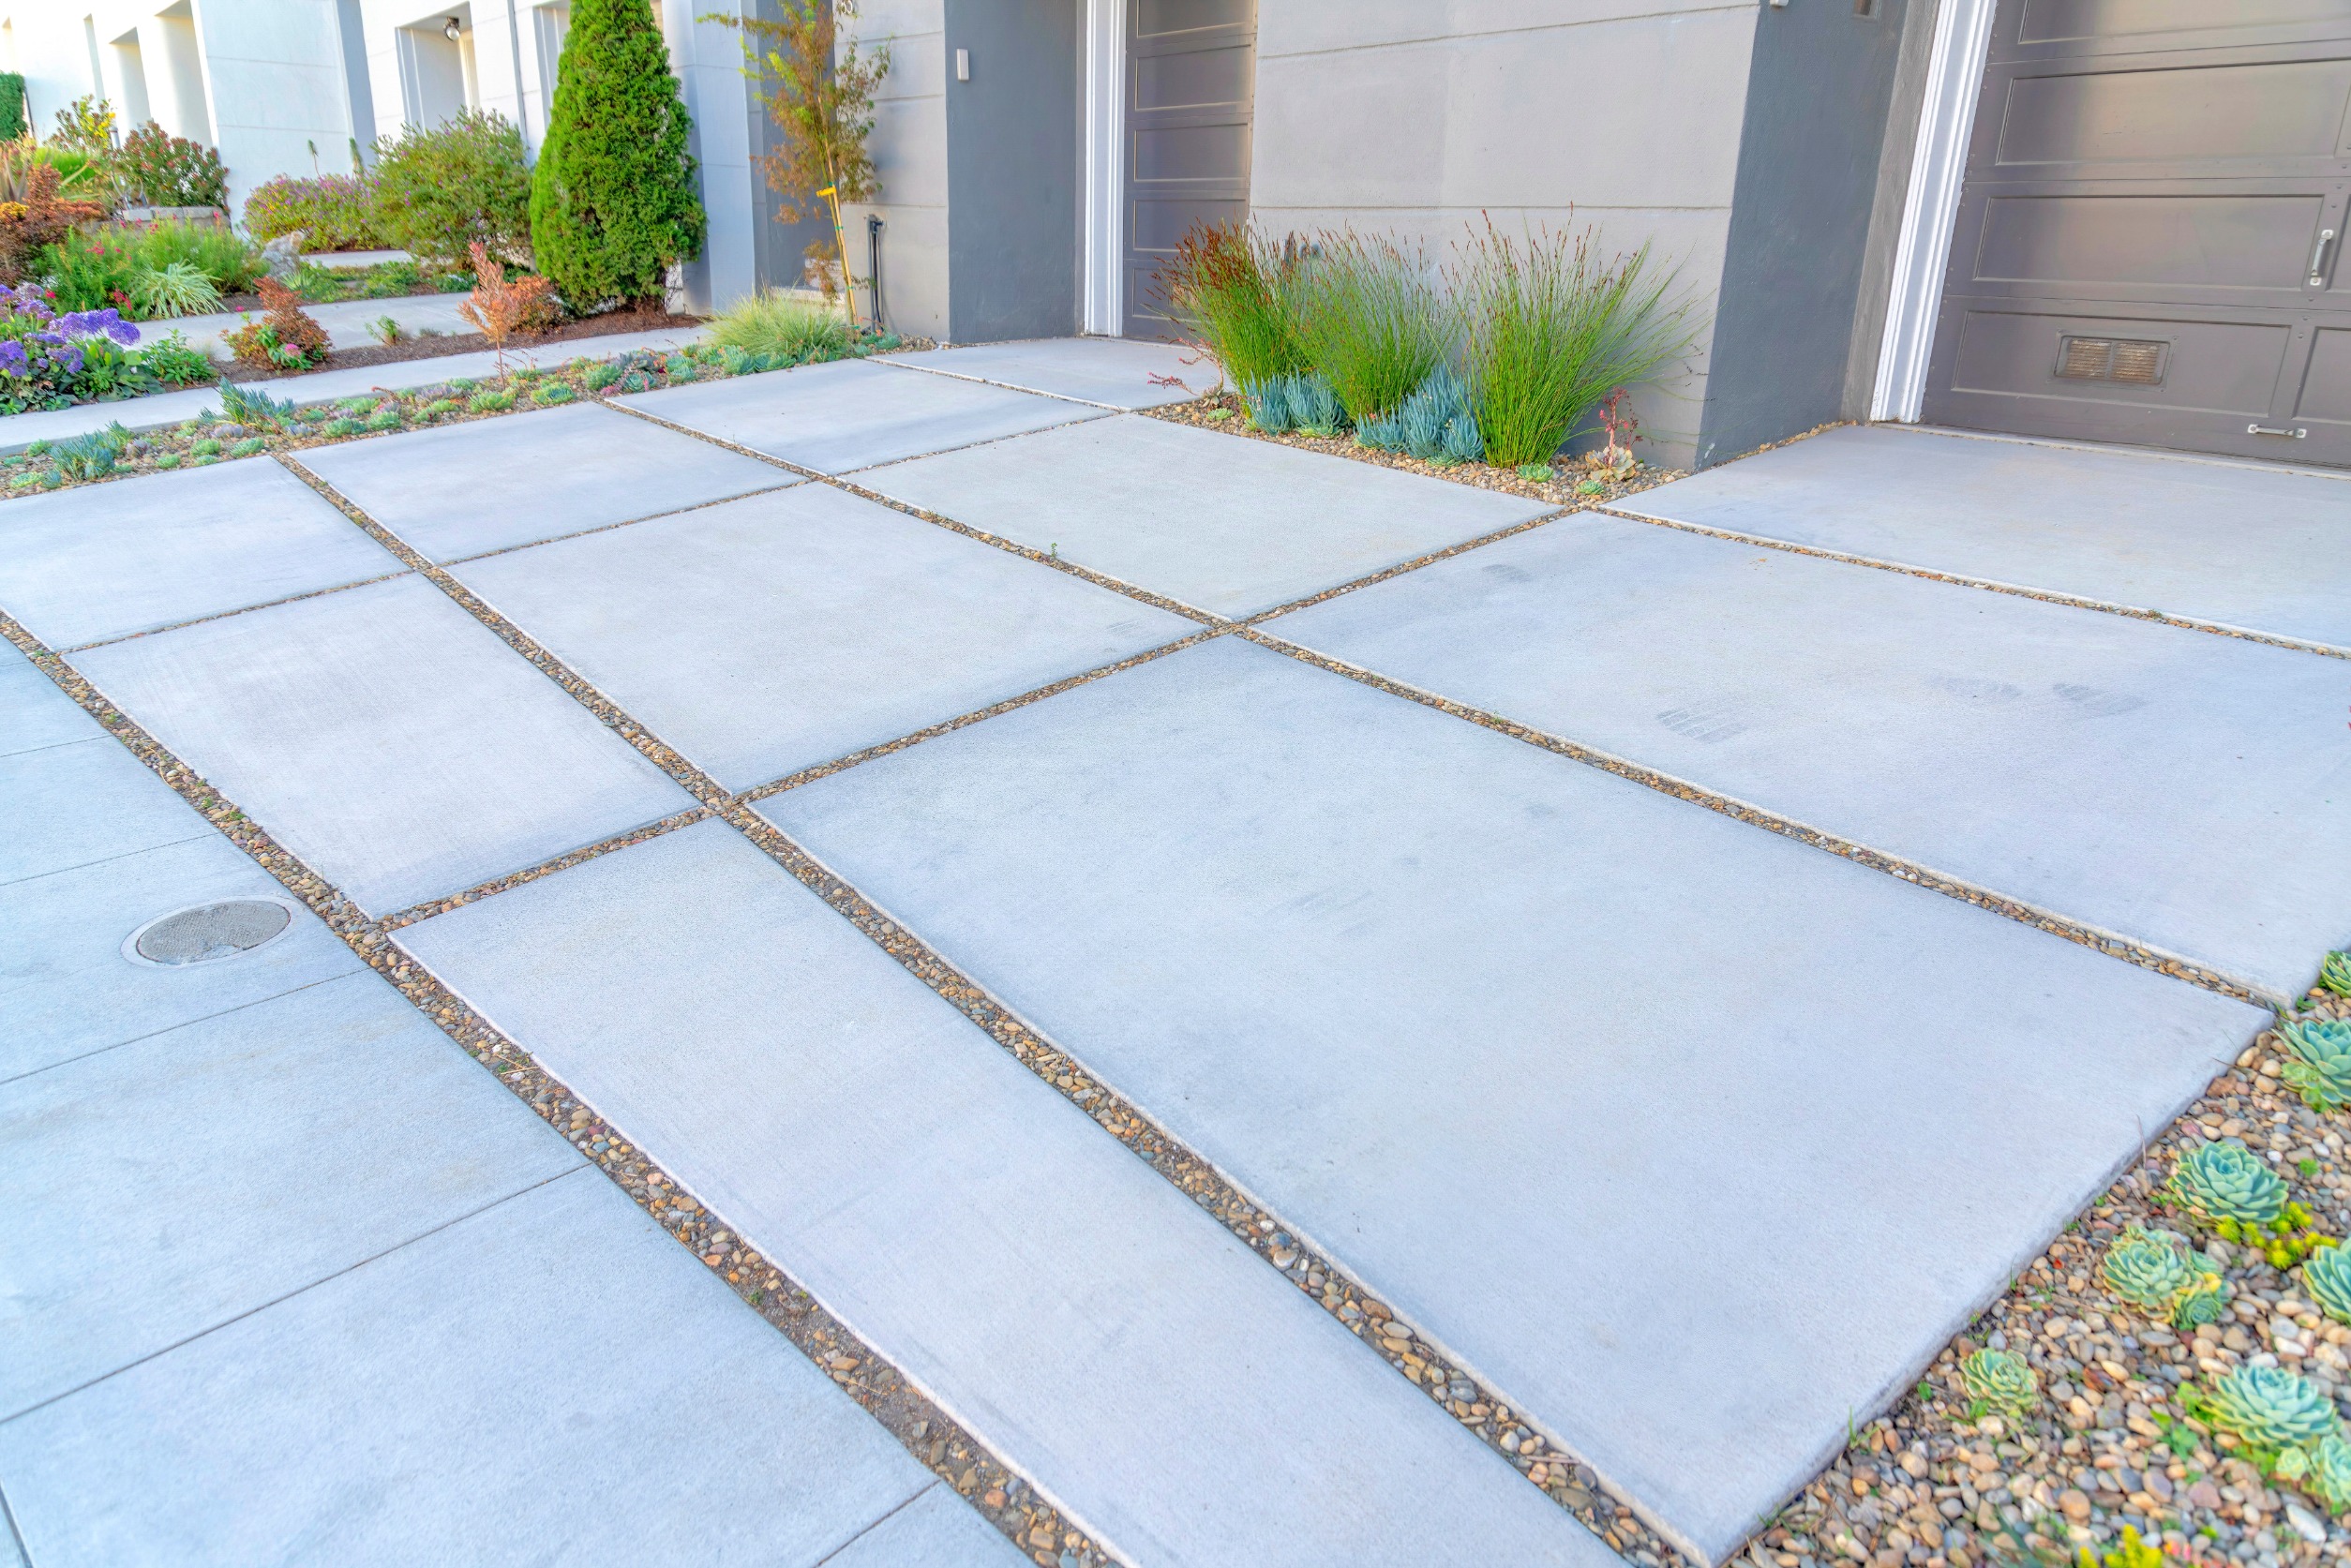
point(2119, 1428)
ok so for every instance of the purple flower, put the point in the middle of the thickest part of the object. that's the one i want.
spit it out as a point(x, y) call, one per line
point(70, 358)
point(92, 323)
point(48, 337)
point(12, 361)
point(122, 331)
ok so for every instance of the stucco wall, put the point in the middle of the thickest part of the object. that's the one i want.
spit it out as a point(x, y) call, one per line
point(1419, 119)
point(910, 146)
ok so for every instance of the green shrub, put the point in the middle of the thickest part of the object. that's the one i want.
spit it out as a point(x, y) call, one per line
point(1553, 329)
point(232, 262)
point(332, 212)
point(173, 363)
point(1370, 318)
point(783, 329)
point(90, 267)
point(161, 170)
point(436, 191)
point(174, 289)
point(1233, 290)
point(612, 200)
point(14, 120)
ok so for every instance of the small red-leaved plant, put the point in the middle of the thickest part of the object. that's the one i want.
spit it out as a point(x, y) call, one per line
point(502, 307)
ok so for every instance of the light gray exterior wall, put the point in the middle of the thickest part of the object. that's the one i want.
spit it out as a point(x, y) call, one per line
point(1418, 118)
point(910, 147)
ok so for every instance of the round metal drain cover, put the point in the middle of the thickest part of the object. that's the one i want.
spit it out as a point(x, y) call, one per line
point(210, 930)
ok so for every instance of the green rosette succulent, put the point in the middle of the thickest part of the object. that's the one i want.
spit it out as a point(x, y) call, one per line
point(2146, 1269)
point(2335, 974)
point(2329, 1479)
point(2271, 1406)
point(2001, 1382)
point(2321, 1069)
point(2227, 1181)
point(2203, 1301)
point(2328, 1275)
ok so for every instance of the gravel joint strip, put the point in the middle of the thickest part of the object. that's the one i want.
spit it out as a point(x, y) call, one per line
point(2086, 935)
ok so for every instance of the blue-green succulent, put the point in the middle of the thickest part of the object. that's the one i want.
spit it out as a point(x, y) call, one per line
point(2147, 1269)
point(2001, 1382)
point(2227, 1181)
point(2205, 1301)
point(2320, 1071)
point(2335, 974)
point(2327, 1274)
point(2271, 1406)
point(2329, 1479)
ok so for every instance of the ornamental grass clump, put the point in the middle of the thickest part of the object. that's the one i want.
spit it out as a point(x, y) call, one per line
point(1549, 328)
point(783, 329)
point(2000, 1382)
point(1235, 291)
point(1369, 316)
point(2320, 1071)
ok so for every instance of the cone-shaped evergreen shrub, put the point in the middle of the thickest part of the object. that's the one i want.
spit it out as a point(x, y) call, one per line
point(612, 201)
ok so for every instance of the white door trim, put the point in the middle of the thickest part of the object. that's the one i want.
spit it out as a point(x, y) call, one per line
point(1104, 251)
point(1939, 166)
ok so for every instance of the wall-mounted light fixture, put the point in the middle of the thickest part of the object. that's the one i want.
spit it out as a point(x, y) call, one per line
point(452, 29)
point(962, 65)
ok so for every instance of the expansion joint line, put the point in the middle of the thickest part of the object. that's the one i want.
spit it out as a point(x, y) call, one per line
point(1991, 584)
point(2095, 938)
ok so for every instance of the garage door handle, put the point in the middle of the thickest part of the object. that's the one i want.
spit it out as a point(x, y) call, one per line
point(2318, 259)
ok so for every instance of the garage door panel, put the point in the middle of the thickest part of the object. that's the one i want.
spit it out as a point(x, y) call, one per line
point(2226, 246)
point(2326, 398)
point(2198, 365)
point(2211, 115)
point(2141, 22)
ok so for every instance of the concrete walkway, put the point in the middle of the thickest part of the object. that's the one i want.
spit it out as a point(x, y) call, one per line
point(1443, 1049)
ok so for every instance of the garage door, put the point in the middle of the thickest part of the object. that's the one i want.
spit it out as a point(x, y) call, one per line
point(2150, 239)
point(1192, 77)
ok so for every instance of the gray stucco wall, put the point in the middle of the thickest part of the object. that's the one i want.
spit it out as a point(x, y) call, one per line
point(1418, 116)
point(910, 147)
point(1013, 171)
point(1808, 160)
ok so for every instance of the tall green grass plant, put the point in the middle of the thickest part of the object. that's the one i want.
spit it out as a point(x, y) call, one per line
point(1231, 288)
point(1370, 317)
point(784, 330)
point(1550, 328)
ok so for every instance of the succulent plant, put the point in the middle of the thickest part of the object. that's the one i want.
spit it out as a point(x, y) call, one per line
point(341, 427)
point(440, 405)
point(1541, 473)
point(2204, 1301)
point(2327, 1274)
point(249, 406)
point(2001, 1382)
point(385, 419)
point(2321, 1069)
point(248, 446)
point(206, 448)
point(2227, 1181)
point(598, 377)
point(552, 393)
point(167, 460)
point(2146, 1268)
point(2335, 974)
point(492, 402)
point(2271, 1406)
point(2329, 1479)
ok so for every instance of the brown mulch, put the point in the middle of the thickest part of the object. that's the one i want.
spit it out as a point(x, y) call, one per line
point(472, 342)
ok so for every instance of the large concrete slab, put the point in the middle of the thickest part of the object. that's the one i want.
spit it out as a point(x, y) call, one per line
point(166, 1187)
point(1118, 372)
point(1486, 1024)
point(937, 1529)
point(852, 413)
point(387, 739)
point(550, 1379)
point(493, 484)
point(2234, 545)
point(106, 561)
point(34, 713)
point(67, 986)
point(1155, 1379)
point(1223, 523)
point(2186, 792)
point(83, 802)
point(771, 634)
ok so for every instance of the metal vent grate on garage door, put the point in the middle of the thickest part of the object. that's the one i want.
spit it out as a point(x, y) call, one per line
point(2150, 237)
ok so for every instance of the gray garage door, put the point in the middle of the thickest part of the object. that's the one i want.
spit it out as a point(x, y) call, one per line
point(2148, 245)
point(1192, 77)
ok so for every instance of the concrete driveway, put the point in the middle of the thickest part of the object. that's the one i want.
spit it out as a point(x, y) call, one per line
point(1843, 868)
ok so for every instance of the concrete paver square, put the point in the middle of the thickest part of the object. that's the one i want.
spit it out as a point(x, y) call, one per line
point(167, 1186)
point(1112, 1341)
point(106, 561)
point(493, 484)
point(551, 1378)
point(853, 413)
point(34, 713)
point(387, 739)
point(2234, 545)
point(1123, 372)
point(770, 633)
point(937, 1529)
point(1223, 523)
point(67, 986)
point(83, 802)
point(2185, 791)
point(1487, 1023)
